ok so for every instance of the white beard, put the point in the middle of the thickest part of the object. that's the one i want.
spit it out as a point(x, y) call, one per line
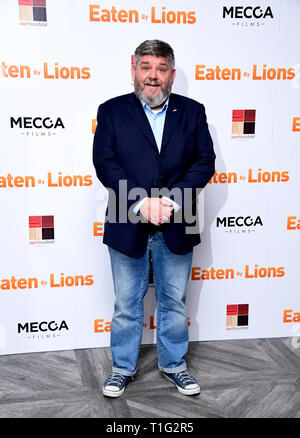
point(155, 101)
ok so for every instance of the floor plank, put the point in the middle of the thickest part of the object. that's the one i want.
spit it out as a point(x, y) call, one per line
point(249, 378)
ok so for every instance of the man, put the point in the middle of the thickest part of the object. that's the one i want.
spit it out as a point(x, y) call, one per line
point(155, 146)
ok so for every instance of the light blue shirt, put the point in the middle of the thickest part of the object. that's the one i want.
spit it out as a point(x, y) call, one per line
point(157, 123)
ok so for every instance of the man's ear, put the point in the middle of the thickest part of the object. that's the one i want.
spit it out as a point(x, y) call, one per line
point(132, 72)
point(173, 75)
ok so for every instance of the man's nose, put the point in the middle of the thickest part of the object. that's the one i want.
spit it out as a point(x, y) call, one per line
point(153, 74)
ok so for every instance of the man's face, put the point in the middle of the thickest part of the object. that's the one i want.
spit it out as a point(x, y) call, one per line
point(153, 79)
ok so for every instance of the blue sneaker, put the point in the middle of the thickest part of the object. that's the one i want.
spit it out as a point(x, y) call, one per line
point(186, 384)
point(114, 385)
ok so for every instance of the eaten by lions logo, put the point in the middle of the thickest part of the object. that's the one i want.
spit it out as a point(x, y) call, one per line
point(247, 16)
point(239, 224)
point(37, 126)
point(43, 329)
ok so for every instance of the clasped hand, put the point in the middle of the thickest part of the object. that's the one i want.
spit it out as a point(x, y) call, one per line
point(157, 210)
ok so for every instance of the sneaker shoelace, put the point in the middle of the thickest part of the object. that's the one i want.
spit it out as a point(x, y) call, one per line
point(185, 378)
point(115, 378)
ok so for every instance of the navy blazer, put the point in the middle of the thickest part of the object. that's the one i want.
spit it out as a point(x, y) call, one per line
point(125, 149)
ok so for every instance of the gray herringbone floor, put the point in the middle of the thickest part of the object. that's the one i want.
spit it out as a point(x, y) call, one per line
point(238, 378)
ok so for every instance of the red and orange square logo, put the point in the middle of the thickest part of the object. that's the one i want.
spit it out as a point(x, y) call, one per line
point(243, 123)
point(41, 229)
point(32, 12)
point(237, 316)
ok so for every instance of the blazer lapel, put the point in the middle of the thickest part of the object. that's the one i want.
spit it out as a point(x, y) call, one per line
point(137, 112)
point(173, 116)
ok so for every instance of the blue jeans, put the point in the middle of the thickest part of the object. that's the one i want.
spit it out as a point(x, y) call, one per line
point(130, 276)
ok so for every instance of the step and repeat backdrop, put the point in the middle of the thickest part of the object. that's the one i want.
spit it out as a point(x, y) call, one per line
point(59, 60)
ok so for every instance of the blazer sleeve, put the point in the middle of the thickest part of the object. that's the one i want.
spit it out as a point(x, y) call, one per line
point(201, 170)
point(108, 170)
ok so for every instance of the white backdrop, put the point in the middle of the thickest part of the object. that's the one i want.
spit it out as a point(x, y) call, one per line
point(59, 60)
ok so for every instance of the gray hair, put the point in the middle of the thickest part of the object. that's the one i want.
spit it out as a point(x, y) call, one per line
point(155, 48)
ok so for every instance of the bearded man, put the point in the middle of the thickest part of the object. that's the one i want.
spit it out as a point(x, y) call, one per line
point(153, 145)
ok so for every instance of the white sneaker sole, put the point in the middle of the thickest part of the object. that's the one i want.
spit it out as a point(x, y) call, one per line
point(192, 391)
point(108, 393)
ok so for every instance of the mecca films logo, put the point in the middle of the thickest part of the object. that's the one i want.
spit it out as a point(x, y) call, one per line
point(43, 329)
point(32, 12)
point(239, 224)
point(247, 16)
point(37, 126)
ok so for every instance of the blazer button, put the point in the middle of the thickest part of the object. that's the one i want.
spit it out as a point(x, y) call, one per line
point(155, 183)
